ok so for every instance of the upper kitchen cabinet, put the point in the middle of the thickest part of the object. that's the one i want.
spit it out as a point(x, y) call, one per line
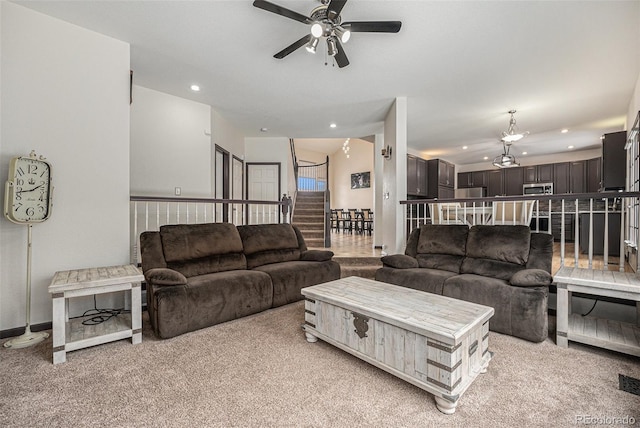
point(440, 175)
point(594, 175)
point(472, 179)
point(578, 177)
point(495, 182)
point(513, 180)
point(416, 176)
point(561, 177)
point(538, 173)
point(614, 160)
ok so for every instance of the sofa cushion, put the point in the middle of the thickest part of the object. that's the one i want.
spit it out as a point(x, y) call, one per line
point(182, 242)
point(443, 239)
point(540, 251)
point(289, 278)
point(505, 243)
point(211, 264)
point(440, 261)
point(269, 243)
point(429, 280)
point(490, 268)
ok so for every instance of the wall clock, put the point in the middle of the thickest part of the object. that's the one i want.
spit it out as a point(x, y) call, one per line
point(27, 200)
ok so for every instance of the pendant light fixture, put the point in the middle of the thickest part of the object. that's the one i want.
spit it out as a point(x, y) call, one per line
point(505, 160)
point(512, 134)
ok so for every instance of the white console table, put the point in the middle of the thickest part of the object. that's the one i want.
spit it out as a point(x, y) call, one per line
point(609, 334)
point(69, 335)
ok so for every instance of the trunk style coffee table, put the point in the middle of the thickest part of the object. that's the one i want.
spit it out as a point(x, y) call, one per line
point(434, 342)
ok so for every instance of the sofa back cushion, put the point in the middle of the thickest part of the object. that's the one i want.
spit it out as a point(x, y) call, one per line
point(197, 249)
point(541, 251)
point(497, 251)
point(442, 246)
point(269, 243)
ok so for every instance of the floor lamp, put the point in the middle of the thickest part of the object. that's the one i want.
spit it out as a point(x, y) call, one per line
point(28, 338)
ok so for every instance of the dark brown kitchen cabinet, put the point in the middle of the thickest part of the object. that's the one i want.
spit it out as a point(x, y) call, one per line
point(594, 175)
point(545, 173)
point(472, 179)
point(578, 177)
point(465, 180)
point(538, 173)
point(614, 160)
point(416, 176)
point(561, 177)
point(513, 180)
point(495, 182)
point(440, 174)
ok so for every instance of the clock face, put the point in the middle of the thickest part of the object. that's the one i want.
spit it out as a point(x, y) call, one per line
point(28, 190)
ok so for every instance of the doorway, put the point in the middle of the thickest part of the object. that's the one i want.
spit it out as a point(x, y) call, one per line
point(263, 184)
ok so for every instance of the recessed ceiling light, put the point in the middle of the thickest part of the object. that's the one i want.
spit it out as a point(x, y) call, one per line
point(464, 147)
point(195, 88)
point(564, 131)
point(486, 158)
point(570, 147)
point(333, 125)
point(524, 153)
point(263, 129)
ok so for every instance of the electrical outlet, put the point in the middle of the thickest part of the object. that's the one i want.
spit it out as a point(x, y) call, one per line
point(178, 191)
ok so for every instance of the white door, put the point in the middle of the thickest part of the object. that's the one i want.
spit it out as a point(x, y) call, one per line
point(237, 173)
point(263, 185)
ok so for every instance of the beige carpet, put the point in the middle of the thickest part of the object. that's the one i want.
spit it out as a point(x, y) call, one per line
point(260, 371)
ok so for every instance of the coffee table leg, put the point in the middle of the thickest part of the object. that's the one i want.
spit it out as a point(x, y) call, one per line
point(445, 406)
point(310, 337)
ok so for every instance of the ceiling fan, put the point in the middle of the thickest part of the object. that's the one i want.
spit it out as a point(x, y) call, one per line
point(326, 22)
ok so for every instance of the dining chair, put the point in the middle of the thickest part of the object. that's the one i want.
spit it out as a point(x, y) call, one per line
point(512, 212)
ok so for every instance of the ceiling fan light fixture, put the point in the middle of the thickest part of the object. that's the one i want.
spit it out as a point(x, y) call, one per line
point(317, 30)
point(343, 34)
point(312, 45)
point(332, 46)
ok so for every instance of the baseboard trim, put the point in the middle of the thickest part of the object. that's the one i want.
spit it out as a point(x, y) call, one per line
point(18, 331)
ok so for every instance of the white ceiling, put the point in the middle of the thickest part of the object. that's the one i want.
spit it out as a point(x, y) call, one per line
point(461, 65)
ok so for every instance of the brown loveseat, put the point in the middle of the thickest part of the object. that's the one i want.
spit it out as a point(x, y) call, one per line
point(505, 267)
point(199, 275)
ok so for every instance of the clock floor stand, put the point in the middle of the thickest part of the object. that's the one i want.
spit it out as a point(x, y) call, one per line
point(29, 338)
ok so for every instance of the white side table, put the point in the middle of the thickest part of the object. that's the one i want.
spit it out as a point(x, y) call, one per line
point(69, 335)
point(608, 334)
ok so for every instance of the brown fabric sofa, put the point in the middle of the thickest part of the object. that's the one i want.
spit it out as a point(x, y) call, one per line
point(505, 267)
point(199, 275)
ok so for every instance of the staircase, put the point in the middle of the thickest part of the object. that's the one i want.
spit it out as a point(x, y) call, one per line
point(308, 216)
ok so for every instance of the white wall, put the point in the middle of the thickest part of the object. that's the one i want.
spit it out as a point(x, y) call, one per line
point(65, 94)
point(272, 150)
point(634, 106)
point(395, 179)
point(340, 170)
point(170, 145)
point(311, 156)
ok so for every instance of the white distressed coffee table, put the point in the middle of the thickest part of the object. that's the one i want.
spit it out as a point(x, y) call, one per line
point(70, 335)
point(436, 343)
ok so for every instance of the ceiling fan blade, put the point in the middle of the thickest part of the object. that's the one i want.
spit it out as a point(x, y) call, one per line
point(292, 47)
point(334, 8)
point(341, 56)
point(279, 10)
point(373, 26)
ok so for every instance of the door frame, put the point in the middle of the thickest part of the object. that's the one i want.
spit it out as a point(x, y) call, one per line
point(225, 179)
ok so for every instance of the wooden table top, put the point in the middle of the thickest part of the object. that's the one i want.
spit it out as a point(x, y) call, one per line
point(94, 277)
point(439, 317)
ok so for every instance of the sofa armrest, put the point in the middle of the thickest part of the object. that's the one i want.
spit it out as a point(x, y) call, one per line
point(531, 278)
point(165, 276)
point(316, 255)
point(399, 261)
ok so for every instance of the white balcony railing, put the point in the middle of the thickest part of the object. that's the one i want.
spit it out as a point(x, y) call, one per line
point(149, 213)
point(587, 225)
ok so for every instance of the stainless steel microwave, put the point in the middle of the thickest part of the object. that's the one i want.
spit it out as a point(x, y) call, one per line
point(537, 189)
